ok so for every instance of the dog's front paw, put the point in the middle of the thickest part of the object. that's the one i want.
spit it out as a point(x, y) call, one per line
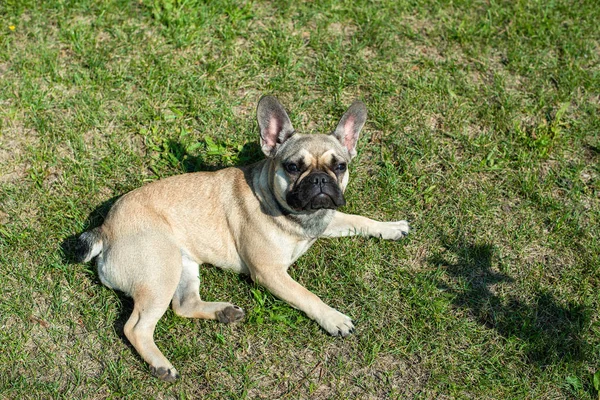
point(394, 230)
point(336, 323)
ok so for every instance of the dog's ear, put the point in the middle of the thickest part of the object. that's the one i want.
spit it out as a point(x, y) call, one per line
point(350, 125)
point(275, 125)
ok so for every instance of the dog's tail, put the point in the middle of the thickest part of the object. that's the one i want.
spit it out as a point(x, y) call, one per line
point(89, 245)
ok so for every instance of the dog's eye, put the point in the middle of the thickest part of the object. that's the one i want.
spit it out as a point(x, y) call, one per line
point(341, 167)
point(291, 168)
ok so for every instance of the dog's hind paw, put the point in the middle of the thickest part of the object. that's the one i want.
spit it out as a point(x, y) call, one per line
point(165, 374)
point(230, 314)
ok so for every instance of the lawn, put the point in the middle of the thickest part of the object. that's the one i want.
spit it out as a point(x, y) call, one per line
point(483, 132)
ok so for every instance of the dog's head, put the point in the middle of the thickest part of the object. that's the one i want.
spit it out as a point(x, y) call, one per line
point(309, 172)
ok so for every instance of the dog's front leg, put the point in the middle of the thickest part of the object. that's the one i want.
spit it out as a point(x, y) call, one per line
point(351, 225)
point(278, 282)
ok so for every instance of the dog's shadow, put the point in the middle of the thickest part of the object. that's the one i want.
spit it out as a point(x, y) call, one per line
point(550, 330)
point(250, 152)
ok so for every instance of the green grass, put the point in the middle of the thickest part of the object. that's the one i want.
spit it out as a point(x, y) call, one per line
point(483, 132)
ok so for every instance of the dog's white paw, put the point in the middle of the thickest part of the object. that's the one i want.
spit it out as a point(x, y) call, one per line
point(393, 230)
point(336, 323)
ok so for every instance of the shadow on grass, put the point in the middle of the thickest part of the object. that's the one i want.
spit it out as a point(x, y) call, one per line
point(549, 330)
point(175, 153)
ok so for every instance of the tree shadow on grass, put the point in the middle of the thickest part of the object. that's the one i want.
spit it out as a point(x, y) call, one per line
point(549, 330)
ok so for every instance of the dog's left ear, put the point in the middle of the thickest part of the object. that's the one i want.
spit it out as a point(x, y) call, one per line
point(350, 125)
point(275, 125)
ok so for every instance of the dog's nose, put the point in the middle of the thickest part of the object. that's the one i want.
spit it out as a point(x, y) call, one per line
point(319, 179)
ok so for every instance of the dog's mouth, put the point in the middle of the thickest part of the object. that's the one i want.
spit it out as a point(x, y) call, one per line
point(322, 201)
point(316, 192)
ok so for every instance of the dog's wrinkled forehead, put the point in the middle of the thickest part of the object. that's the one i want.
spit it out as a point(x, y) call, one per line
point(313, 149)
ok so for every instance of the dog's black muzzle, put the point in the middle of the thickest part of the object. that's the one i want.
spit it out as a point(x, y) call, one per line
point(315, 192)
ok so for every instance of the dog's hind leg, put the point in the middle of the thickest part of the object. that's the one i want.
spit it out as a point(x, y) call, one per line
point(139, 329)
point(154, 267)
point(187, 303)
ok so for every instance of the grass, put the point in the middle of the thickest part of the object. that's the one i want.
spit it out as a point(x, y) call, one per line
point(483, 132)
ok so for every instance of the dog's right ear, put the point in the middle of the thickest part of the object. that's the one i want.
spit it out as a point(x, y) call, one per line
point(275, 125)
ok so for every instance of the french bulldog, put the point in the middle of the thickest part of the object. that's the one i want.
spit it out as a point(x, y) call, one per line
point(255, 220)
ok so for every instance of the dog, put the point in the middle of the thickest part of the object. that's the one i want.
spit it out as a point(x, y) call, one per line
point(254, 220)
